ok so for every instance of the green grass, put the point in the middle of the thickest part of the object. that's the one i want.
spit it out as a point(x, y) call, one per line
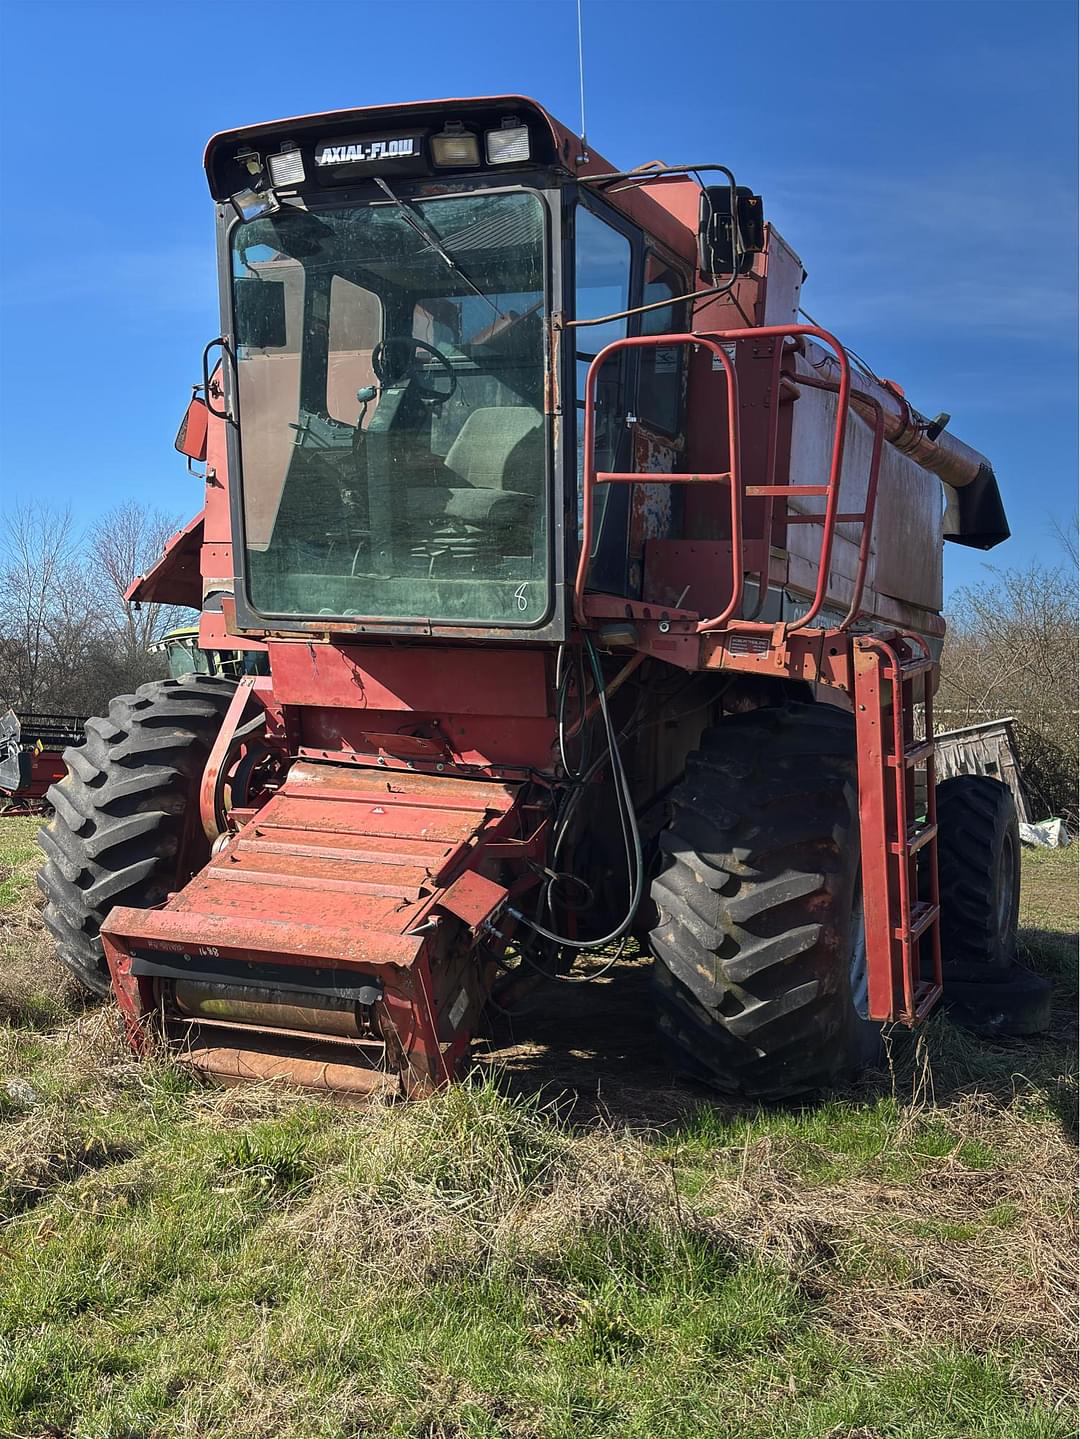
point(182, 1262)
point(19, 856)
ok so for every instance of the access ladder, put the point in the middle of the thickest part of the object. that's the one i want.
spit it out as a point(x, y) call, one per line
point(902, 926)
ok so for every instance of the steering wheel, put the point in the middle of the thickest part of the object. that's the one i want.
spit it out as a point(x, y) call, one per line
point(396, 358)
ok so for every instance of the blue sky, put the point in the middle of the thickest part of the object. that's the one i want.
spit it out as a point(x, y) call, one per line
point(920, 157)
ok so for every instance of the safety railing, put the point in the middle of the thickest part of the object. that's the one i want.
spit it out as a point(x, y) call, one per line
point(718, 343)
point(591, 477)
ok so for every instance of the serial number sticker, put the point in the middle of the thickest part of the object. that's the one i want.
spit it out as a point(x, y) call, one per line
point(461, 1004)
point(368, 152)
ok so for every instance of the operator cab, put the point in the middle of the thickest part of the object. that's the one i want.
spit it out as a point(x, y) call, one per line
point(401, 453)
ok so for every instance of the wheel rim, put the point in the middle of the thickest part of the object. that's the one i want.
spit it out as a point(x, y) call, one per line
point(860, 978)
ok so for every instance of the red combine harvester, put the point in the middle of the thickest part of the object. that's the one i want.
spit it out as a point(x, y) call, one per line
point(600, 594)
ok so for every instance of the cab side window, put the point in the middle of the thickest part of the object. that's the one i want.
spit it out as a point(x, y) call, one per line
point(602, 262)
point(660, 384)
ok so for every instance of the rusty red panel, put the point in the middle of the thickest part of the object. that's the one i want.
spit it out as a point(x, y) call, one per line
point(174, 579)
point(482, 740)
point(218, 519)
point(690, 574)
point(473, 898)
point(338, 865)
point(349, 868)
point(214, 636)
point(440, 680)
point(650, 505)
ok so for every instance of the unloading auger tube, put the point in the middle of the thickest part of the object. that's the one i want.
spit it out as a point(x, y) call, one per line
point(974, 513)
point(454, 753)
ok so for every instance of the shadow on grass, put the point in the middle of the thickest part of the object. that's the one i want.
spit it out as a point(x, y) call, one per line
point(593, 1046)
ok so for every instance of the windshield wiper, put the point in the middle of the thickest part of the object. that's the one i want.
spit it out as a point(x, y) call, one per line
point(431, 239)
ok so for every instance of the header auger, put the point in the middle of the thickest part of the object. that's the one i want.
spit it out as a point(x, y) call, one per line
point(587, 591)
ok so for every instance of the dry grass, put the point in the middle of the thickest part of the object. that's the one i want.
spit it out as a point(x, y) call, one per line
point(896, 1264)
point(981, 1257)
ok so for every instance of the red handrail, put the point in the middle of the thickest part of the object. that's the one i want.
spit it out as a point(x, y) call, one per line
point(866, 519)
point(591, 477)
point(715, 342)
point(832, 488)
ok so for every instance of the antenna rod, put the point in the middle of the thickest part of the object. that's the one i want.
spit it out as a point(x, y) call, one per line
point(581, 73)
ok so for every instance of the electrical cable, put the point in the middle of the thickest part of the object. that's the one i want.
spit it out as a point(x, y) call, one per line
point(628, 823)
point(562, 687)
point(860, 363)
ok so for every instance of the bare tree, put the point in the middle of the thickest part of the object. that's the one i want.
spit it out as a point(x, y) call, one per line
point(69, 640)
point(1067, 537)
point(1012, 650)
point(46, 612)
point(124, 543)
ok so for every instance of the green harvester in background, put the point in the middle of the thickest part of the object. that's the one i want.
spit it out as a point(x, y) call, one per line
point(184, 656)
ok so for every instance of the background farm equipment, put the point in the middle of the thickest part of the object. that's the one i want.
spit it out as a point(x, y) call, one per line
point(184, 655)
point(32, 757)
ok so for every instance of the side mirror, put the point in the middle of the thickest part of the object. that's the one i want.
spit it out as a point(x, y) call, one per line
point(191, 436)
point(260, 314)
point(717, 230)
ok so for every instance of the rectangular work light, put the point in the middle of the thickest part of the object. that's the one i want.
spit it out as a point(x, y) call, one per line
point(286, 168)
point(455, 145)
point(507, 144)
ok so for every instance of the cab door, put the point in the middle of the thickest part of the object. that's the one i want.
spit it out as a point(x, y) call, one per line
point(639, 395)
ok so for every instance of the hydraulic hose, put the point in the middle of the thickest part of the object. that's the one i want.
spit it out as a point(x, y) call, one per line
point(635, 863)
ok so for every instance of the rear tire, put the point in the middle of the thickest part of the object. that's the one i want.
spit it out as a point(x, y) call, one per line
point(122, 813)
point(979, 878)
point(759, 908)
point(978, 872)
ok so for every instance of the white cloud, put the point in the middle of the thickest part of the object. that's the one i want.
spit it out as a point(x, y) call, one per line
point(958, 254)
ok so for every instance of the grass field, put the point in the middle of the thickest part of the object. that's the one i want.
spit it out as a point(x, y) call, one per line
point(573, 1246)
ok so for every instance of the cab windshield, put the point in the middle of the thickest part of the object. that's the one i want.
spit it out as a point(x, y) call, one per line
point(390, 365)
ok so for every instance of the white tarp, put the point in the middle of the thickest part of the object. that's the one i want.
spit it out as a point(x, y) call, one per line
point(1047, 834)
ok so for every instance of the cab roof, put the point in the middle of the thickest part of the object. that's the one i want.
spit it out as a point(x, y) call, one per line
point(662, 206)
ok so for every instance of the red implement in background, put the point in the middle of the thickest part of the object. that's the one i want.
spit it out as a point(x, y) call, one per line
point(32, 758)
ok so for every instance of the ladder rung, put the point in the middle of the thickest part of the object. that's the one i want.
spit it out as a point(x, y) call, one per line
point(758, 490)
point(917, 837)
point(908, 669)
point(647, 477)
point(853, 519)
point(922, 917)
point(914, 754)
point(926, 996)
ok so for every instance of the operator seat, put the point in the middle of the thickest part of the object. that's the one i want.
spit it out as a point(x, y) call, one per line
point(495, 468)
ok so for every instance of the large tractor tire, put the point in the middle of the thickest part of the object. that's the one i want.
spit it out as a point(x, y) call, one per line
point(759, 966)
point(123, 811)
point(978, 870)
point(979, 886)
